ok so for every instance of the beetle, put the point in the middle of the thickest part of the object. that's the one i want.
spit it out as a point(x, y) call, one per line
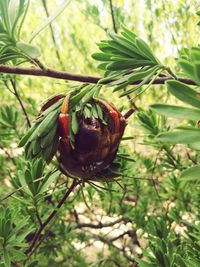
point(95, 144)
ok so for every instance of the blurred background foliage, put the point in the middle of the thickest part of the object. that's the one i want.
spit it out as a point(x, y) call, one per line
point(167, 26)
point(151, 190)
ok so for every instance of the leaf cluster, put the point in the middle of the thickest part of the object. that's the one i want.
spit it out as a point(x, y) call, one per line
point(12, 15)
point(12, 236)
point(190, 63)
point(42, 138)
point(168, 249)
point(9, 118)
point(126, 59)
point(32, 181)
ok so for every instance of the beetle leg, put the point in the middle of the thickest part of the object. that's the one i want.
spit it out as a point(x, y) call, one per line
point(118, 126)
point(64, 119)
point(121, 119)
point(113, 114)
point(122, 125)
point(65, 105)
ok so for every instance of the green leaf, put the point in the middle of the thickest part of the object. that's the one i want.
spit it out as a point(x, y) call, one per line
point(24, 183)
point(13, 11)
point(45, 126)
point(6, 58)
point(53, 177)
point(195, 53)
point(128, 34)
point(4, 14)
point(101, 56)
point(132, 64)
point(74, 123)
point(145, 50)
point(30, 50)
point(145, 263)
point(25, 138)
point(99, 111)
point(192, 173)
point(120, 49)
point(195, 145)
point(47, 139)
point(187, 68)
point(180, 136)
point(141, 74)
point(145, 81)
point(128, 45)
point(78, 97)
point(184, 93)
point(53, 150)
point(17, 255)
point(197, 71)
point(35, 147)
point(177, 112)
point(6, 258)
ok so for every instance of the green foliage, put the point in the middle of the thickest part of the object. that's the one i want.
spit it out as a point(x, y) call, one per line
point(12, 234)
point(8, 124)
point(33, 181)
point(12, 15)
point(127, 59)
point(190, 63)
point(191, 174)
point(177, 112)
point(41, 140)
point(167, 249)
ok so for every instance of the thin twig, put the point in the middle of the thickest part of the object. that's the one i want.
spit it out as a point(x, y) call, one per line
point(110, 242)
point(113, 16)
point(58, 74)
point(7, 154)
point(171, 73)
point(102, 225)
point(129, 113)
point(52, 215)
point(13, 82)
point(38, 217)
point(52, 34)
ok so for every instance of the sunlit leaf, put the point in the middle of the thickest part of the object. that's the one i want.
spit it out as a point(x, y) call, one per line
point(184, 93)
point(192, 173)
point(177, 112)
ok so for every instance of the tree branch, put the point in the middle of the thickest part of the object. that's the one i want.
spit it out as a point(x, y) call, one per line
point(102, 225)
point(52, 215)
point(130, 233)
point(57, 74)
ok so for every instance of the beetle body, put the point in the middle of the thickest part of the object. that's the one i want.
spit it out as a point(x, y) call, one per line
point(95, 143)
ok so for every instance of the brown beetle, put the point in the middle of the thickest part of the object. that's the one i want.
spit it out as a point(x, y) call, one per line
point(95, 144)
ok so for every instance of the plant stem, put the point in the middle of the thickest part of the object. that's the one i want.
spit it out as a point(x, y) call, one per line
point(58, 74)
point(113, 16)
point(129, 113)
point(52, 34)
point(52, 215)
point(171, 73)
point(13, 82)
